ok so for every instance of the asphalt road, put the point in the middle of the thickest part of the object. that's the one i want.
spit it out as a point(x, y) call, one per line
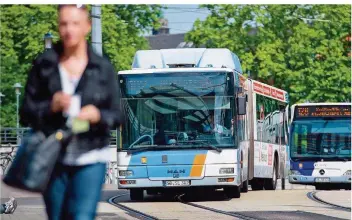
point(280, 204)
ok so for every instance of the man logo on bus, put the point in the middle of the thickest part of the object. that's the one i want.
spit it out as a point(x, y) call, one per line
point(176, 171)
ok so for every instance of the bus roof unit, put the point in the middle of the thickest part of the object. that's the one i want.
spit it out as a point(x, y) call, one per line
point(190, 57)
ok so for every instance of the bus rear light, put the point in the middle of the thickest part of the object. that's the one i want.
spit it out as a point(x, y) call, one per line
point(126, 182)
point(226, 180)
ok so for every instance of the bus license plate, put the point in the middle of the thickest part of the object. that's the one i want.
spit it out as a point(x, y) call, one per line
point(322, 179)
point(178, 183)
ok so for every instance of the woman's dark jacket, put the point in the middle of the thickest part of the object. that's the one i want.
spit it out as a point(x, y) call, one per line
point(98, 86)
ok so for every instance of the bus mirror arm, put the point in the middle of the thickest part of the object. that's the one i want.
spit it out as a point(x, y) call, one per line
point(241, 105)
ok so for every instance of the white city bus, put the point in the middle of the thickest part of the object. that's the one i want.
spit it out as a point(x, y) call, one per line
point(191, 123)
point(320, 145)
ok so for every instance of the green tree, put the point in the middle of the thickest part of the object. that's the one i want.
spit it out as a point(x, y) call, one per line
point(22, 29)
point(298, 48)
point(123, 27)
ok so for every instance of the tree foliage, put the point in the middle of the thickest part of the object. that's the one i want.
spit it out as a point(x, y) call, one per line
point(299, 48)
point(22, 29)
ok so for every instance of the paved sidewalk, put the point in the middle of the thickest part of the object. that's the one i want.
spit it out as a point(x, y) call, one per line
point(341, 198)
point(290, 186)
point(31, 205)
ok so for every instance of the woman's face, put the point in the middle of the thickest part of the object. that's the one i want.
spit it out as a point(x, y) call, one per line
point(74, 25)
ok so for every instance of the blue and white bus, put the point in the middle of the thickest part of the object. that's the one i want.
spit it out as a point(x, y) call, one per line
point(191, 123)
point(320, 145)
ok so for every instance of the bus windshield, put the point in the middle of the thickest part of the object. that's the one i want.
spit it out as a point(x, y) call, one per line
point(178, 110)
point(324, 138)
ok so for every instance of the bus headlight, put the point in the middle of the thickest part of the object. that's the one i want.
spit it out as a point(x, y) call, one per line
point(226, 170)
point(125, 173)
point(348, 173)
point(294, 172)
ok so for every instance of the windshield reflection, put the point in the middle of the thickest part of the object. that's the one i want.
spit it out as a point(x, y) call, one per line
point(174, 116)
point(321, 138)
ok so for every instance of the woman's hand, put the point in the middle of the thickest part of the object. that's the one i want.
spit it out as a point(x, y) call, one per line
point(60, 102)
point(90, 113)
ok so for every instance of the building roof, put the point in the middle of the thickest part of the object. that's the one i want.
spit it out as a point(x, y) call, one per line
point(168, 41)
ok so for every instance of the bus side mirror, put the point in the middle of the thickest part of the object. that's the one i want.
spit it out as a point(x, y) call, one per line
point(241, 105)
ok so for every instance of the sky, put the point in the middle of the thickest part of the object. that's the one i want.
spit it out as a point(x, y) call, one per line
point(182, 17)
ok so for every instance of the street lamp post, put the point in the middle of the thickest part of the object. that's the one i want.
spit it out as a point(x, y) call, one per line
point(1, 95)
point(17, 87)
point(48, 40)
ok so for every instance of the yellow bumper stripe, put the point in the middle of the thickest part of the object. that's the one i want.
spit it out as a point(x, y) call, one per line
point(198, 164)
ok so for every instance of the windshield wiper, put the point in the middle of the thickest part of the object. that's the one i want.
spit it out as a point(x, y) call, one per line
point(340, 158)
point(141, 149)
point(154, 147)
point(319, 158)
point(295, 159)
point(207, 145)
point(210, 146)
point(171, 147)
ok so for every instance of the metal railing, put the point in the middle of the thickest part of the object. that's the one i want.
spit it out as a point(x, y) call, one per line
point(13, 136)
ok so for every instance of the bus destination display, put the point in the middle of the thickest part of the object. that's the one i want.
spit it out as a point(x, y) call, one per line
point(323, 111)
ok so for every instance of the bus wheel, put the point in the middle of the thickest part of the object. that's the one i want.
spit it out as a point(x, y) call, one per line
point(257, 184)
point(233, 192)
point(321, 187)
point(152, 192)
point(245, 186)
point(347, 186)
point(270, 184)
point(199, 193)
point(136, 194)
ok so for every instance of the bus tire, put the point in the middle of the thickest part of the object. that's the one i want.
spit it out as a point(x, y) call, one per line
point(322, 186)
point(136, 194)
point(232, 192)
point(199, 193)
point(319, 187)
point(270, 184)
point(245, 186)
point(152, 192)
point(347, 186)
point(257, 184)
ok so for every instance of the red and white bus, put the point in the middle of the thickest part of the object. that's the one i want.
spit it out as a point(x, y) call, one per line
point(267, 118)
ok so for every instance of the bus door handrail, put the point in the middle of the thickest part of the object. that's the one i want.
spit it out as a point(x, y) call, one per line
point(141, 137)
